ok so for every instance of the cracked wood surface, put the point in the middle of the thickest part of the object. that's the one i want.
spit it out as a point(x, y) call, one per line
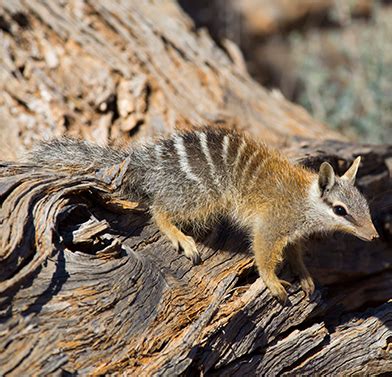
point(89, 286)
point(115, 70)
point(98, 291)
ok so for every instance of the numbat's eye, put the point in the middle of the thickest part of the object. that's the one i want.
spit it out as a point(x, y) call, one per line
point(339, 210)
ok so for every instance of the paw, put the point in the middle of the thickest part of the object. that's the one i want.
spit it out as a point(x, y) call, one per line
point(307, 285)
point(188, 245)
point(277, 290)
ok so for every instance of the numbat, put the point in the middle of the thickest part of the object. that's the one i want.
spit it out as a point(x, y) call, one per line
point(194, 176)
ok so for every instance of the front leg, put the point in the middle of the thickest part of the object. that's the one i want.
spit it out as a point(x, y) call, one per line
point(267, 256)
point(295, 259)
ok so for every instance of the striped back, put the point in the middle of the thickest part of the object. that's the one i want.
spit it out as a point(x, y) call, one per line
point(200, 164)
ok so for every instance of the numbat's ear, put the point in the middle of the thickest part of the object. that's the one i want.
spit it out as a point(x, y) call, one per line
point(351, 173)
point(326, 178)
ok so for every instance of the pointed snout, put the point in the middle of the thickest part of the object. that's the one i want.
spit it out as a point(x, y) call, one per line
point(368, 233)
point(373, 236)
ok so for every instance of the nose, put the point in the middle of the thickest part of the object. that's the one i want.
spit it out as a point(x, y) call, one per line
point(375, 236)
point(368, 233)
point(374, 233)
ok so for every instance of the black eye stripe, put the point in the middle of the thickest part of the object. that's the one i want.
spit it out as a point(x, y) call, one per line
point(351, 219)
point(347, 217)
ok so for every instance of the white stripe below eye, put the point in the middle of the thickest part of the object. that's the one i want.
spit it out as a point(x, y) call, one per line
point(225, 148)
point(183, 158)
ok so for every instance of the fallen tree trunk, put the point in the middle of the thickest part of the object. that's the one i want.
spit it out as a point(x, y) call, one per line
point(90, 287)
point(126, 70)
point(91, 290)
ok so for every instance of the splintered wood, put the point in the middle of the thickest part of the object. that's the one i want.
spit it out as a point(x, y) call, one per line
point(32, 200)
point(88, 285)
point(83, 270)
point(119, 70)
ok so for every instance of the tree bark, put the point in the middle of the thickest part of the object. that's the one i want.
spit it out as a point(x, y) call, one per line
point(87, 283)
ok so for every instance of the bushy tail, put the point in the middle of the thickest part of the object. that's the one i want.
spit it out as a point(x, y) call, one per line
point(67, 152)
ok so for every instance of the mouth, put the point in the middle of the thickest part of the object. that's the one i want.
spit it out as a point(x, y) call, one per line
point(368, 238)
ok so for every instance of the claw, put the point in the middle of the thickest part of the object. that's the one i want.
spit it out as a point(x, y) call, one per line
point(176, 246)
point(277, 290)
point(190, 250)
point(285, 283)
point(282, 297)
point(196, 259)
point(307, 285)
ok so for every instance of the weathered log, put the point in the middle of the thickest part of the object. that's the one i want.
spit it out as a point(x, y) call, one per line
point(87, 283)
point(126, 301)
point(101, 70)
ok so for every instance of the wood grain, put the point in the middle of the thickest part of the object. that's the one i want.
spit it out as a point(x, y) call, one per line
point(89, 286)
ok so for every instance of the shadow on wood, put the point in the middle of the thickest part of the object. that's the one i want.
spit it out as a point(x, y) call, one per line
point(111, 294)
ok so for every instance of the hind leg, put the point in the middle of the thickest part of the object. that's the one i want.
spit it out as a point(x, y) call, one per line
point(176, 237)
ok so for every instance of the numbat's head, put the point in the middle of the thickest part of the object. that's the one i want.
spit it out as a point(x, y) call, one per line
point(338, 204)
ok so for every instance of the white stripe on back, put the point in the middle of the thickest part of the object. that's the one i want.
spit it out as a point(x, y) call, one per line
point(206, 151)
point(225, 148)
point(158, 152)
point(239, 153)
point(256, 173)
point(183, 158)
point(247, 165)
